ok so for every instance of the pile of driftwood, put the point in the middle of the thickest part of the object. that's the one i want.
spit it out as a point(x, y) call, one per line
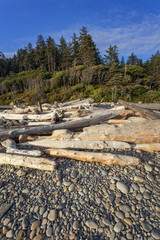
point(75, 128)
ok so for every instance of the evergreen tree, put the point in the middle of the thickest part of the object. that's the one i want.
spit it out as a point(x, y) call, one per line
point(65, 58)
point(132, 59)
point(29, 59)
point(40, 53)
point(21, 53)
point(111, 58)
point(51, 54)
point(75, 50)
point(88, 53)
point(2, 65)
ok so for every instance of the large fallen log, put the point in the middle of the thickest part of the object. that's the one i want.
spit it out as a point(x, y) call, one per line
point(30, 162)
point(146, 113)
point(105, 158)
point(143, 132)
point(78, 144)
point(38, 130)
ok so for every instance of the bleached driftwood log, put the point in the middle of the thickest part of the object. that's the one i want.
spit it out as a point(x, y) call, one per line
point(146, 113)
point(129, 120)
point(143, 132)
point(47, 129)
point(150, 147)
point(36, 117)
point(25, 161)
point(105, 158)
point(11, 147)
point(79, 144)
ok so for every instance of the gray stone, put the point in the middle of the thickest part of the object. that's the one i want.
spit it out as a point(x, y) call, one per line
point(25, 222)
point(10, 234)
point(49, 231)
point(67, 183)
point(146, 227)
point(71, 187)
point(135, 186)
point(155, 234)
point(125, 208)
point(91, 224)
point(106, 222)
point(148, 168)
point(52, 216)
point(76, 225)
point(119, 214)
point(4, 208)
point(122, 187)
point(150, 177)
point(118, 227)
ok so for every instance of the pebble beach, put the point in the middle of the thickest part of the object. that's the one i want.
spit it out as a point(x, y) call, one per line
point(82, 200)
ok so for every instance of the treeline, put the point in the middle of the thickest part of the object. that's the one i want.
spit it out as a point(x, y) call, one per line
point(50, 65)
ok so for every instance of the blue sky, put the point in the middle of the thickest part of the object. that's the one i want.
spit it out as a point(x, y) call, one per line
point(134, 26)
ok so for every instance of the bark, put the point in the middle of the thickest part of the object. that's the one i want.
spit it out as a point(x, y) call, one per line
point(79, 144)
point(146, 113)
point(47, 129)
point(143, 132)
point(30, 162)
point(105, 158)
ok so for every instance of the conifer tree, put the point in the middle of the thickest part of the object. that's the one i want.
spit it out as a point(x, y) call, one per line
point(51, 54)
point(65, 58)
point(40, 53)
point(29, 59)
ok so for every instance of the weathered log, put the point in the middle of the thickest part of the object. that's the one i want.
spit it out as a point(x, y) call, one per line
point(146, 113)
point(37, 117)
point(47, 129)
point(105, 158)
point(11, 147)
point(25, 138)
point(143, 132)
point(30, 162)
point(79, 144)
point(150, 147)
point(129, 120)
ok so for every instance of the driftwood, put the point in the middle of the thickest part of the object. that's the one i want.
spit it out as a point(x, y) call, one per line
point(37, 117)
point(79, 144)
point(150, 147)
point(47, 129)
point(105, 158)
point(143, 132)
point(146, 113)
point(11, 147)
point(25, 161)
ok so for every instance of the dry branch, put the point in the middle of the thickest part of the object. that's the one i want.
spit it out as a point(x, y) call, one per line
point(105, 158)
point(35, 117)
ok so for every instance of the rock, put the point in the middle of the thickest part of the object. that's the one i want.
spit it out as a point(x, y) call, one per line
point(35, 225)
point(20, 173)
point(146, 227)
point(71, 187)
point(155, 234)
point(52, 216)
point(21, 235)
point(139, 179)
point(4, 208)
point(118, 227)
point(112, 186)
point(150, 177)
point(91, 224)
point(49, 231)
point(122, 187)
point(125, 208)
point(10, 234)
point(39, 237)
point(25, 223)
point(128, 221)
point(106, 222)
point(72, 236)
point(76, 225)
point(148, 168)
point(6, 221)
point(119, 214)
point(66, 183)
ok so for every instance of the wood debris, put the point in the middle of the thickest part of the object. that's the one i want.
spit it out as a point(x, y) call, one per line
point(64, 129)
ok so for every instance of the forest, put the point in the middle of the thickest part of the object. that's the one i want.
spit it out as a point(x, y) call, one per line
point(69, 70)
